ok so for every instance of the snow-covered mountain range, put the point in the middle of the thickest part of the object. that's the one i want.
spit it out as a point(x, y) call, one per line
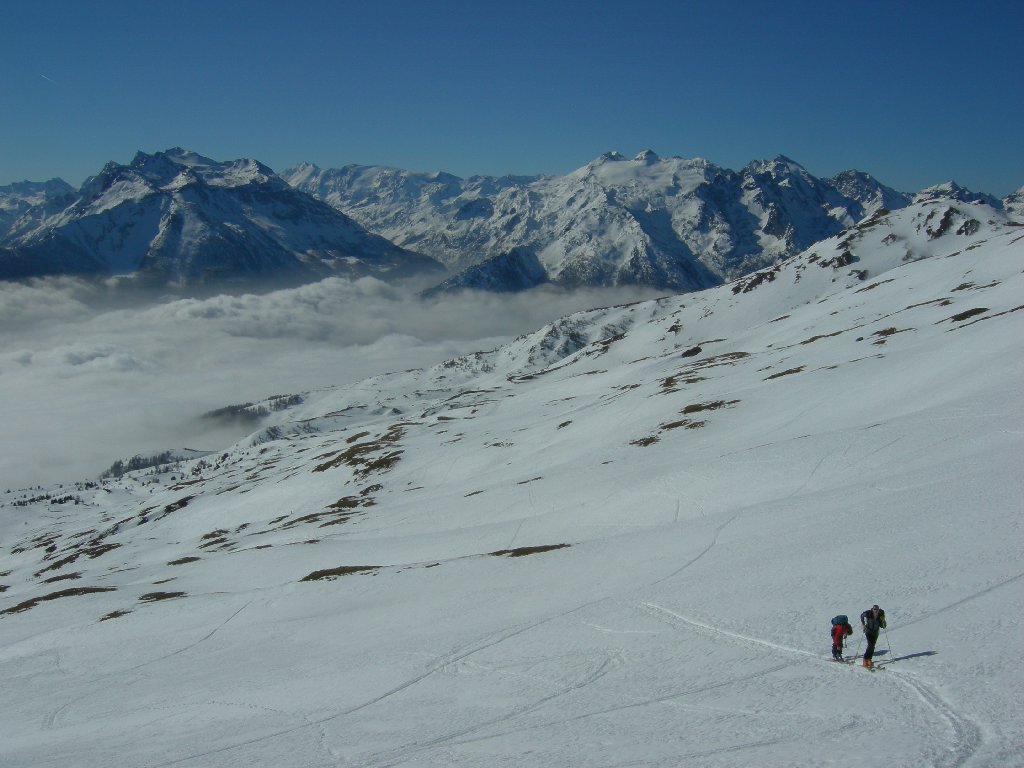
point(665, 222)
point(178, 218)
point(617, 540)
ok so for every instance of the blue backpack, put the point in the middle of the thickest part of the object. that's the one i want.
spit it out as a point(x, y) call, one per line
point(841, 620)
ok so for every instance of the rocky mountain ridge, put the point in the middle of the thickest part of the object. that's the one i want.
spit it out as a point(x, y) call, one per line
point(177, 218)
point(665, 222)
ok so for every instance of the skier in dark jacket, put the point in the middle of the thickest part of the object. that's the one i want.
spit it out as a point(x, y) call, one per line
point(840, 632)
point(871, 621)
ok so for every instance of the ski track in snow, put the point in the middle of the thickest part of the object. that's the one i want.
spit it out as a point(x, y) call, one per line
point(645, 703)
point(405, 753)
point(446, 660)
point(50, 720)
point(967, 599)
point(699, 555)
point(967, 736)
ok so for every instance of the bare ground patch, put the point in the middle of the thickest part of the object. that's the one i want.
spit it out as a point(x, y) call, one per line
point(73, 592)
point(343, 570)
point(789, 372)
point(153, 597)
point(523, 551)
point(713, 405)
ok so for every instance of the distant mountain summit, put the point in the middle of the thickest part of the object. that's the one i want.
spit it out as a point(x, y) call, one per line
point(1013, 203)
point(17, 198)
point(950, 190)
point(669, 223)
point(517, 270)
point(178, 218)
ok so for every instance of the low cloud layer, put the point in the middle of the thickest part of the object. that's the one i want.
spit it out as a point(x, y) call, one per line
point(87, 377)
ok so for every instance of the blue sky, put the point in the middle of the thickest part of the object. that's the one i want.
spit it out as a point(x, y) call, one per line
point(914, 93)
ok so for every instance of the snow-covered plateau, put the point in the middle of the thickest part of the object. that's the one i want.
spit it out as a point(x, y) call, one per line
point(615, 541)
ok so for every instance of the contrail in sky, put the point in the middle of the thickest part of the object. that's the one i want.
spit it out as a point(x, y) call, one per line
point(47, 78)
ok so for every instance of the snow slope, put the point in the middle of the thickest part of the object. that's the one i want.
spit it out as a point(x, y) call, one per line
point(615, 541)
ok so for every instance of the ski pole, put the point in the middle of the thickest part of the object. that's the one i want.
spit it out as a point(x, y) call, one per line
point(892, 653)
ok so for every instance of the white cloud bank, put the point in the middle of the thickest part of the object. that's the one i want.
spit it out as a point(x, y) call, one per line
point(87, 377)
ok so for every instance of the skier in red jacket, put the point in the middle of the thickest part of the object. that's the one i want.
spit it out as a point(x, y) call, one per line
point(840, 632)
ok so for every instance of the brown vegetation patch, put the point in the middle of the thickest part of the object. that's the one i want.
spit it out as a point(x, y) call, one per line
point(173, 507)
point(885, 333)
point(710, 406)
point(351, 502)
point(959, 318)
point(790, 372)
point(821, 336)
point(62, 577)
point(217, 538)
point(873, 285)
point(523, 551)
point(184, 560)
point(114, 615)
point(74, 591)
point(344, 570)
point(643, 442)
point(360, 457)
point(92, 552)
point(692, 352)
point(728, 358)
point(338, 520)
point(152, 597)
point(839, 261)
point(748, 284)
point(688, 423)
point(992, 317)
point(670, 383)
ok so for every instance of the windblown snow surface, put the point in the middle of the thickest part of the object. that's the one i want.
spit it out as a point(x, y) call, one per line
point(617, 541)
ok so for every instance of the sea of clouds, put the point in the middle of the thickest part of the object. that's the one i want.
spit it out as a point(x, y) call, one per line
point(89, 375)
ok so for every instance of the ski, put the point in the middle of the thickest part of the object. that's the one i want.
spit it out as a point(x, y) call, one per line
point(856, 662)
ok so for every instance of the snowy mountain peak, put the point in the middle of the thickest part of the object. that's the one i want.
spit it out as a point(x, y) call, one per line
point(22, 196)
point(778, 167)
point(179, 218)
point(647, 157)
point(1014, 202)
point(950, 190)
point(161, 168)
